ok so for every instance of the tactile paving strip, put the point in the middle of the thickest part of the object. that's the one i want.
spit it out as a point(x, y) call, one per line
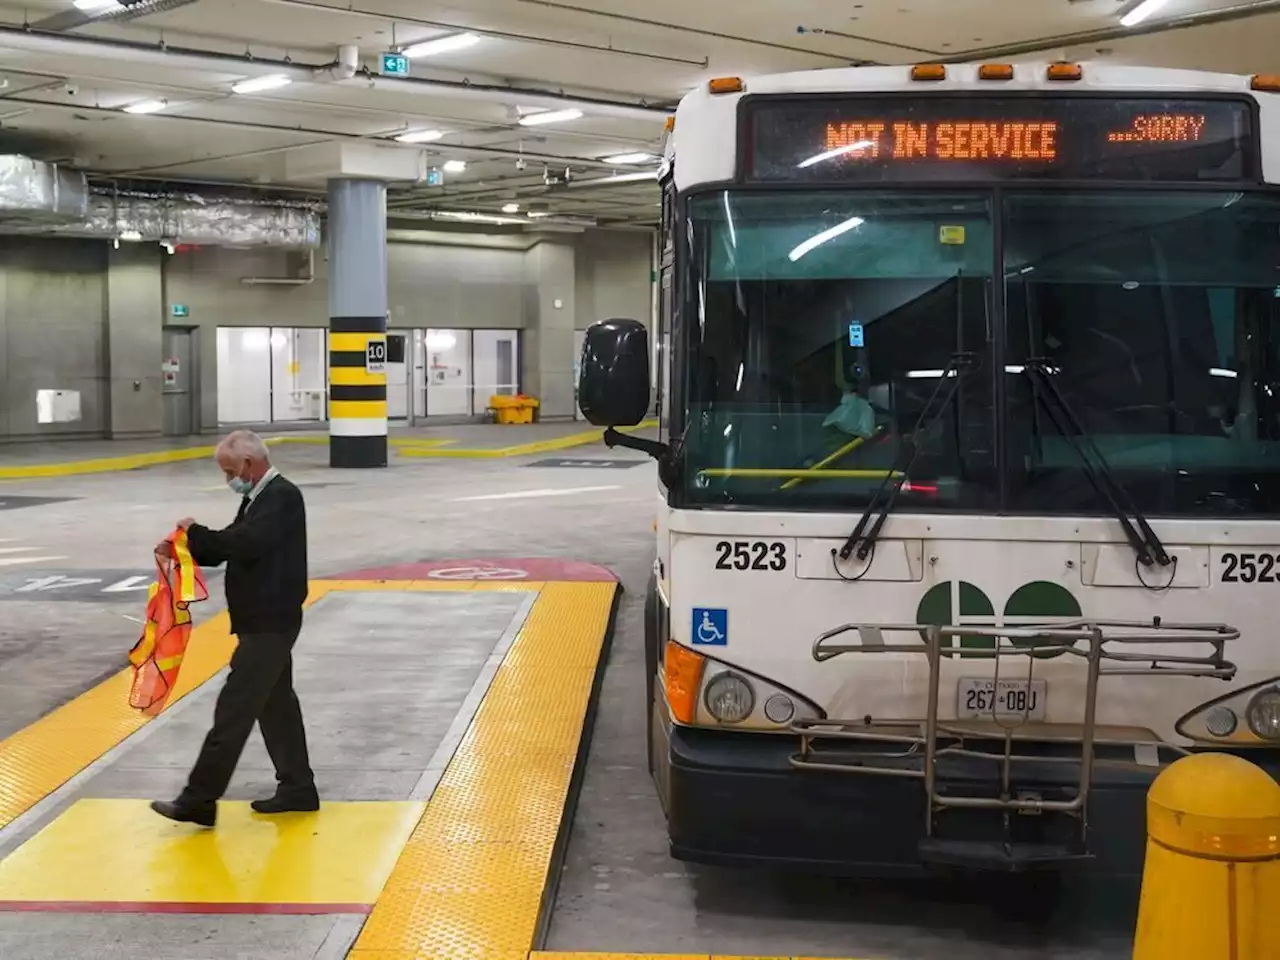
point(38, 759)
point(470, 881)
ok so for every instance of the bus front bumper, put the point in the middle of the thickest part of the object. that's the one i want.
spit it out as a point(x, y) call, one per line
point(735, 798)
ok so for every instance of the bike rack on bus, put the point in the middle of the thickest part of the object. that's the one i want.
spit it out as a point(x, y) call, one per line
point(1105, 645)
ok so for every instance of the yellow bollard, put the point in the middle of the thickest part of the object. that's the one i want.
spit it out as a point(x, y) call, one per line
point(1211, 883)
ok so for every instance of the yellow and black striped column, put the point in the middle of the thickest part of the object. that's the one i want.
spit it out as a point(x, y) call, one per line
point(357, 316)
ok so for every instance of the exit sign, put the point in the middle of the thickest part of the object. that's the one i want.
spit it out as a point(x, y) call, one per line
point(181, 310)
point(395, 65)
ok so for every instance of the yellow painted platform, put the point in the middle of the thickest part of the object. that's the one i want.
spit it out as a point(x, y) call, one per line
point(118, 854)
point(471, 879)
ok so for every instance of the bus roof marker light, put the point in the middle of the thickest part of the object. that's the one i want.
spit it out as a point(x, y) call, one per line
point(1064, 71)
point(837, 152)
point(1266, 82)
point(719, 85)
point(995, 71)
point(819, 239)
point(929, 72)
point(1139, 13)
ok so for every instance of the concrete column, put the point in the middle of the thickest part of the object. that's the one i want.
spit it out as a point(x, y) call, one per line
point(548, 354)
point(135, 316)
point(357, 315)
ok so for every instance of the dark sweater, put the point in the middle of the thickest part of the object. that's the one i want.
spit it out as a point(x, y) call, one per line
point(265, 550)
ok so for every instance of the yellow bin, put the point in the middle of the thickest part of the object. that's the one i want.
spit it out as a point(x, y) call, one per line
point(1211, 883)
point(516, 409)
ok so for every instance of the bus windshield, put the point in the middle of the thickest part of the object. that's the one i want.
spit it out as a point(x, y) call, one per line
point(820, 325)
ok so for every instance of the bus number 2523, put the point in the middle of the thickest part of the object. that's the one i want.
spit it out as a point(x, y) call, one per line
point(750, 555)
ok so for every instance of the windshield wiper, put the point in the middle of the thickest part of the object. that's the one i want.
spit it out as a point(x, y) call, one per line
point(863, 540)
point(1099, 473)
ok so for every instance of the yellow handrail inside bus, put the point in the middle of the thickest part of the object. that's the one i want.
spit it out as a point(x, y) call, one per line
point(802, 473)
point(848, 448)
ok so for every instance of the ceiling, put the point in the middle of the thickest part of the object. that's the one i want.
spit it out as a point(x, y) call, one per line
point(69, 73)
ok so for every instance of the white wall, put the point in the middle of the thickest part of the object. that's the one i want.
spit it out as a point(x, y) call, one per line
point(244, 375)
point(62, 286)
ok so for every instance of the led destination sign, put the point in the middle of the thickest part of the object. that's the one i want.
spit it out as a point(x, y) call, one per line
point(935, 138)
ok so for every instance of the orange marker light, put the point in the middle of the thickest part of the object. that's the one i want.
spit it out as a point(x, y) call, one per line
point(683, 669)
point(1065, 71)
point(726, 85)
point(995, 71)
point(928, 71)
point(1267, 82)
point(671, 123)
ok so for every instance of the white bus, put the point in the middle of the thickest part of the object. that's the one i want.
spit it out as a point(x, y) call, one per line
point(969, 389)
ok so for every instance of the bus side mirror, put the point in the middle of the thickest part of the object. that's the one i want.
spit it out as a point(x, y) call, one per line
point(613, 382)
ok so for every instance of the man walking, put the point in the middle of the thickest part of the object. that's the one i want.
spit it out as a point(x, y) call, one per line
point(265, 550)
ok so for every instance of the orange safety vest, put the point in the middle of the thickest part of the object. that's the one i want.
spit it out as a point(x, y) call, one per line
point(157, 656)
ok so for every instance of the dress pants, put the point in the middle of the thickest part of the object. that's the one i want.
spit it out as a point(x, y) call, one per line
point(259, 688)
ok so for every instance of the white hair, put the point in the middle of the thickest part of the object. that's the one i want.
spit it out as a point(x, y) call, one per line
point(244, 443)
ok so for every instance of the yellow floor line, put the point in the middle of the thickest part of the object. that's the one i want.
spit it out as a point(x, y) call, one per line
point(584, 438)
point(470, 881)
point(43, 756)
point(133, 461)
point(405, 446)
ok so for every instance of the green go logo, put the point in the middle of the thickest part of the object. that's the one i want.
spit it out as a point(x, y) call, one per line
point(960, 603)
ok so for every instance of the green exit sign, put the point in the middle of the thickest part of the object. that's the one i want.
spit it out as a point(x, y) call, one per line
point(395, 65)
point(181, 310)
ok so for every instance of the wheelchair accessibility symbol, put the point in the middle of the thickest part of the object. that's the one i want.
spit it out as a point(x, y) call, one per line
point(710, 627)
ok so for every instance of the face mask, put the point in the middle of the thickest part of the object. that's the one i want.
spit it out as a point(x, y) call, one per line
point(240, 486)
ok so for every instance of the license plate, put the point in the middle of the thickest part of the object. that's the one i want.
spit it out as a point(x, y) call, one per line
point(980, 699)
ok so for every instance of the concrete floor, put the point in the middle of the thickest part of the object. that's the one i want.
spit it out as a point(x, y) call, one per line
point(620, 891)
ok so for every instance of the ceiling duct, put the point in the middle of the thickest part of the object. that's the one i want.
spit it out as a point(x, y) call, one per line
point(193, 218)
point(43, 198)
point(38, 192)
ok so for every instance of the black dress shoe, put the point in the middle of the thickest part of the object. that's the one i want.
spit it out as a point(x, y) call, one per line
point(204, 815)
point(287, 803)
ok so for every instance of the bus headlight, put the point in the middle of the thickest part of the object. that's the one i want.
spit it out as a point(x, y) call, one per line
point(1264, 714)
point(1248, 717)
point(779, 708)
point(1221, 721)
point(729, 698)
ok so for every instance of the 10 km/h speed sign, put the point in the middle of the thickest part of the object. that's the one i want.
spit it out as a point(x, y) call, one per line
point(375, 356)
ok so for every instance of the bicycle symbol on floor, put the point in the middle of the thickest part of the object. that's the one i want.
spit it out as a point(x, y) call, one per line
point(478, 573)
point(710, 627)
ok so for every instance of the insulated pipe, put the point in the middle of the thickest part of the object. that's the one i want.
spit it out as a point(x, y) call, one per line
point(235, 65)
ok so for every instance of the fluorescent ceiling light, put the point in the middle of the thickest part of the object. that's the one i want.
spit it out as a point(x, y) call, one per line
point(511, 208)
point(1222, 372)
point(98, 6)
point(1141, 12)
point(549, 116)
point(131, 235)
point(455, 166)
point(466, 216)
point(819, 239)
point(630, 158)
point(146, 106)
point(929, 374)
point(427, 48)
point(420, 136)
point(627, 177)
point(837, 152)
point(272, 81)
